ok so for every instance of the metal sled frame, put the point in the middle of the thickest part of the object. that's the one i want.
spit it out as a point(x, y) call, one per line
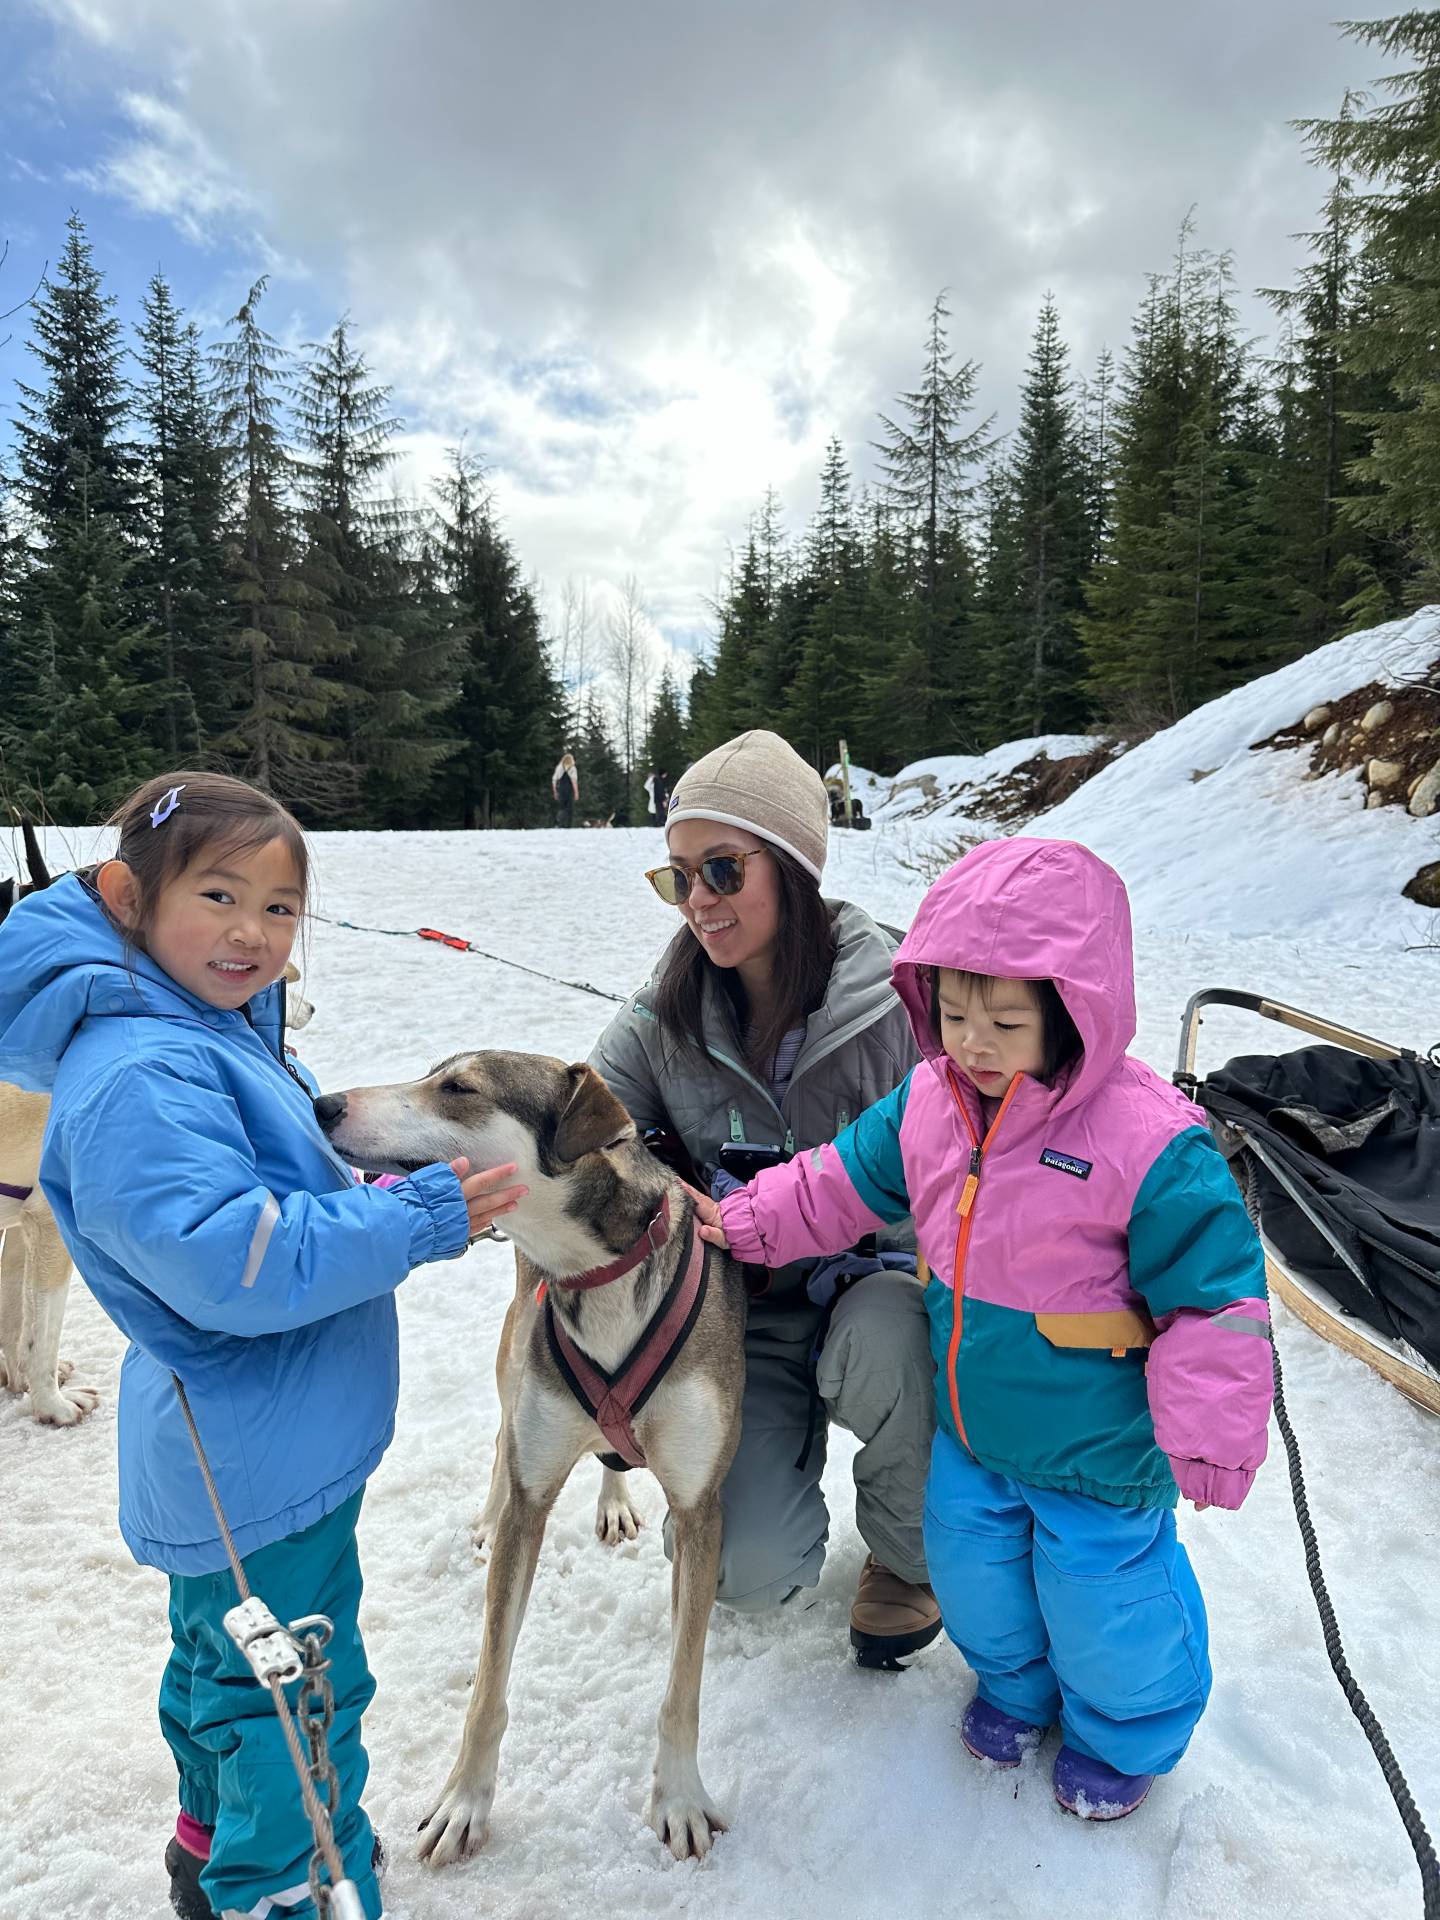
point(1395, 1362)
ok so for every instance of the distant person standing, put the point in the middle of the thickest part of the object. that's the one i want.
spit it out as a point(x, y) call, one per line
point(654, 812)
point(565, 788)
point(662, 795)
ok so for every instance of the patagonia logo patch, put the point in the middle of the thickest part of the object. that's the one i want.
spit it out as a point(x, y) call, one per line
point(1067, 1163)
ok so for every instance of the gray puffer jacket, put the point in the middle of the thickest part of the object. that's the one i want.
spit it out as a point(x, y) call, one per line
point(858, 1046)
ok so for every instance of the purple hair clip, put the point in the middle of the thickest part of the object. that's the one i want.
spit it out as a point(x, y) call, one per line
point(166, 805)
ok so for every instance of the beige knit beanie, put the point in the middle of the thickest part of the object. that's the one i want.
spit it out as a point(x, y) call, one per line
point(757, 780)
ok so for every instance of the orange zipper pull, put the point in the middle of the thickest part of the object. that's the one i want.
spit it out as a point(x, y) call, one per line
point(972, 1184)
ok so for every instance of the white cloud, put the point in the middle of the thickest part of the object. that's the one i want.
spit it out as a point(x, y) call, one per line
point(651, 257)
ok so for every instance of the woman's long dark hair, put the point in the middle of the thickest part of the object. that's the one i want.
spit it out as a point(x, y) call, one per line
point(804, 954)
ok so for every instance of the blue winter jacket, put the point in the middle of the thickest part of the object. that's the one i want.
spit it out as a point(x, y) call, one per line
point(218, 1228)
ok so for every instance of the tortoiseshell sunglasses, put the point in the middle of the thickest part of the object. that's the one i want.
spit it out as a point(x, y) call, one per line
point(722, 873)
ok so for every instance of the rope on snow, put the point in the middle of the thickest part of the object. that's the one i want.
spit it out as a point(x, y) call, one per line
point(462, 945)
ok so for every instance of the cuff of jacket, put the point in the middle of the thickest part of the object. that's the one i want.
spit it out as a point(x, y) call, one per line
point(1216, 1486)
point(439, 1217)
point(737, 1217)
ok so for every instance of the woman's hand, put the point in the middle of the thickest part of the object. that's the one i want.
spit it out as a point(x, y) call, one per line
point(707, 1212)
point(485, 1195)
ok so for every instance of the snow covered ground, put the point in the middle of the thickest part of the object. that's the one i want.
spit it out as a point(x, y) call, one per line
point(849, 1792)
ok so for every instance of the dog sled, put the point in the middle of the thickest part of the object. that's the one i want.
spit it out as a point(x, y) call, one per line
point(1338, 1147)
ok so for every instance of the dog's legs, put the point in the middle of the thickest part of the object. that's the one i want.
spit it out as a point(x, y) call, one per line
point(459, 1824)
point(47, 1283)
point(12, 1307)
point(617, 1517)
point(482, 1527)
point(680, 1809)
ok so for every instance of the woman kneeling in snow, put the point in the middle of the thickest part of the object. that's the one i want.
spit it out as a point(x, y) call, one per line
point(771, 1019)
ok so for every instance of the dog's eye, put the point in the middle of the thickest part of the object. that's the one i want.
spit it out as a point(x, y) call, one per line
point(453, 1086)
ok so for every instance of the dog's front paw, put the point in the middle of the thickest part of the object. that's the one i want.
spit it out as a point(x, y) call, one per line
point(680, 1809)
point(458, 1826)
point(66, 1405)
point(617, 1517)
point(10, 1377)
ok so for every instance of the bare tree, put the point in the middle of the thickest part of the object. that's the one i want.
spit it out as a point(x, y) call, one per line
point(631, 661)
point(20, 305)
point(572, 648)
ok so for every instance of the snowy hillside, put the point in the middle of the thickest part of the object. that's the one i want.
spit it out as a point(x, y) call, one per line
point(1211, 831)
point(1210, 826)
point(849, 1793)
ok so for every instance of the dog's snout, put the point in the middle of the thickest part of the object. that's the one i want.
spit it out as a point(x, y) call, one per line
point(330, 1110)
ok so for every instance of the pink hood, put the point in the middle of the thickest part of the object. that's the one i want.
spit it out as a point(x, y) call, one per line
point(1031, 910)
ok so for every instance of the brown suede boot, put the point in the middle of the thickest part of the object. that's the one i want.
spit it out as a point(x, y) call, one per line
point(890, 1617)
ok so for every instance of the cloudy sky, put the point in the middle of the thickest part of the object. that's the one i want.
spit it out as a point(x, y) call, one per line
point(647, 256)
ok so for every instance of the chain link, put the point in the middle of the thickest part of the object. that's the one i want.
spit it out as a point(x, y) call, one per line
point(315, 1711)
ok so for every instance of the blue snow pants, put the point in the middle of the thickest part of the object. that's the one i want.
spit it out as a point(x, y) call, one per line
point(236, 1774)
point(1069, 1608)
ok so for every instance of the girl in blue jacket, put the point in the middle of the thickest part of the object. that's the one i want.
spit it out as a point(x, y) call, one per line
point(219, 1230)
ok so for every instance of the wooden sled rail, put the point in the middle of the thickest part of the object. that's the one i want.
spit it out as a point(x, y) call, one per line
point(1269, 1009)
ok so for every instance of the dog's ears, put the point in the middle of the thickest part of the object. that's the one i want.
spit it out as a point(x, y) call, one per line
point(592, 1117)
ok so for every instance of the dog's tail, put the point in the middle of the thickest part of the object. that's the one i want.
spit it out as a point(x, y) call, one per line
point(34, 859)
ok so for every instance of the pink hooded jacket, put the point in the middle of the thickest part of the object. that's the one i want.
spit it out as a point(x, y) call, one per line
point(1095, 1287)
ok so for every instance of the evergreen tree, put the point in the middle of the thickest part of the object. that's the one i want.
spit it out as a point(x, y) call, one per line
point(1039, 659)
point(1097, 441)
point(603, 786)
point(667, 745)
point(510, 716)
point(822, 698)
point(882, 732)
point(179, 570)
point(279, 636)
point(727, 699)
point(72, 691)
point(998, 681)
point(1393, 336)
point(926, 460)
point(74, 461)
point(1166, 628)
point(396, 653)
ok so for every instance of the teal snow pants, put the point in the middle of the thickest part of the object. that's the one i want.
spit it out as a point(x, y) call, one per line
point(236, 1774)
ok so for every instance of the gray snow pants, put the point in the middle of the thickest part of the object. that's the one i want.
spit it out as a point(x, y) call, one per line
point(876, 1379)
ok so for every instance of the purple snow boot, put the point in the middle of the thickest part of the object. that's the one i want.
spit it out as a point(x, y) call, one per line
point(1093, 1791)
point(997, 1737)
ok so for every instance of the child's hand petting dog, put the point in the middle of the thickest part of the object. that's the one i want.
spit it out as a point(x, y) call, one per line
point(707, 1213)
point(484, 1196)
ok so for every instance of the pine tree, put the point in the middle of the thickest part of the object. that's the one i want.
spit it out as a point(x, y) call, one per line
point(667, 745)
point(179, 571)
point(279, 635)
point(74, 460)
point(882, 734)
point(822, 699)
point(510, 716)
point(604, 792)
point(73, 691)
point(998, 682)
point(1049, 525)
point(1393, 336)
point(1097, 441)
point(727, 699)
point(926, 460)
point(1166, 628)
point(396, 654)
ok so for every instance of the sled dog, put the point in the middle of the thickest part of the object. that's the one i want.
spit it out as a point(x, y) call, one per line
point(614, 1288)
